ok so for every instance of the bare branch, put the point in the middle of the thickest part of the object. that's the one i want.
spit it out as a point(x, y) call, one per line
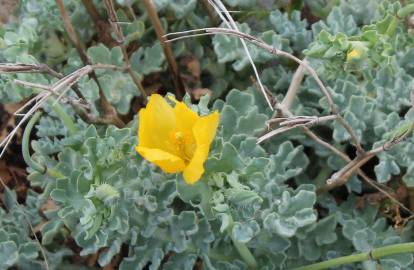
point(226, 17)
point(294, 86)
point(156, 22)
point(92, 11)
point(265, 46)
point(381, 188)
point(33, 68)
point(299, 121)
point(293, 122)
point(113, 19)
point(108, 109)
point(342, 176)
point(210, 12)
point(278, 52)
point(58, 88)
point(71, 32)
point(27, 68)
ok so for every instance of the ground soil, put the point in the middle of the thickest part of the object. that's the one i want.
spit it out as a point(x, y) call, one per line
point(6, 9)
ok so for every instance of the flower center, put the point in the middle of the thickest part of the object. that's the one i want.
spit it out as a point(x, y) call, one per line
point(179, 137)
point(183, 144)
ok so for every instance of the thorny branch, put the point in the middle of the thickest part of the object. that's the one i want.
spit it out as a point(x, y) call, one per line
point(113, 20)
point(342, 176)
point(101, 26)
point(275, 51)
point(156, 22)
point(58, 89)
point(79, 105)
point(109, 111)
point(283, 108)
point(294, 86)
point(381, 188)
point(210, 12)
point(289, 123)
point(228, 20)
point(34, 68)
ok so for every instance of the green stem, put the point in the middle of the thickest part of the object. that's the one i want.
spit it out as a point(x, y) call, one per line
point(245, 254)
point(375, 254)
point(392, 250)
point(25, 145)
point(405, 11)
point(58, 109)
point(66, 119)
point(26, 153)
point(244, 251)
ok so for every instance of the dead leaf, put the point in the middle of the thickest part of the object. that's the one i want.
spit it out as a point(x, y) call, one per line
point(199, 92)
point(114, 264)
point(191, 66)
point(48, 206)
point(5, 174)
point(6, 10)
point(190, 71)
point(92, 259)
point(8, 120)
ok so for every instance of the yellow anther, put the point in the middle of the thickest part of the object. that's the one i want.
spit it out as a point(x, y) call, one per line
point(353, 54)
point(179, 137)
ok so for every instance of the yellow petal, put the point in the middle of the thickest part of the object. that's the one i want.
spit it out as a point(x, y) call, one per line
point(156, 122)
point(204, 131)
point(205, 128)
point(195, 169)
point(186, 118)
point(169, 163)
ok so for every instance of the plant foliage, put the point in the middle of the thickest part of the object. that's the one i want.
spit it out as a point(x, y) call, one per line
point(257, 199)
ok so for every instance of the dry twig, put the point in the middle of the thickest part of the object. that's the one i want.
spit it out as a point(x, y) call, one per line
point(11, 68)
point(381, 188)
point(113, 20)
point(109, 111)
point(277, 52)
point(156, 22)
point(293, 122)
point(228, 20)
point(58, 89)
point(294, 86)
point(210, 12)
point(285, 112)
point(342, 176)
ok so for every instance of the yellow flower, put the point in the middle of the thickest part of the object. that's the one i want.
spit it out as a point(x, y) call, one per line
point(175, 139)
point(354, 54)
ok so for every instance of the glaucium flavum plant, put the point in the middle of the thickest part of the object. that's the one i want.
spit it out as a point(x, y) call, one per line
point(175, 139)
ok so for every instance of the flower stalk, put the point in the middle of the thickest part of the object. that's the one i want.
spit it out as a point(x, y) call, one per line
point(26, 153)
point(375, 254)
point(66, 119)
point(25, 144)
point(243, 250)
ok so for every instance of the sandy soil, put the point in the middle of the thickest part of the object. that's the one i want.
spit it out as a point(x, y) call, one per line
point(6, 9)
